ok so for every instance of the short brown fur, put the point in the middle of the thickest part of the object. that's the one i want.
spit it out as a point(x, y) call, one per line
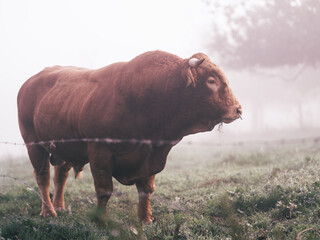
point(149, 97)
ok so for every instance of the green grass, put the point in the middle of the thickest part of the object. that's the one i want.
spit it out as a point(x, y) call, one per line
point(204, 193)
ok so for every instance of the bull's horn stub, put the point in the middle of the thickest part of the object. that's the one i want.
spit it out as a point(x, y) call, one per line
point(195, 62)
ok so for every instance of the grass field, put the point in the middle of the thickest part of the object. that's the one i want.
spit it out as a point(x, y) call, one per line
point(205, 192)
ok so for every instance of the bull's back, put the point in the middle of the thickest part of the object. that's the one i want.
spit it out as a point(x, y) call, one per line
point(52, 102)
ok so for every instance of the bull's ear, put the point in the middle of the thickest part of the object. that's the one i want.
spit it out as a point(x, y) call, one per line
point(189, 73)
point(189, 77)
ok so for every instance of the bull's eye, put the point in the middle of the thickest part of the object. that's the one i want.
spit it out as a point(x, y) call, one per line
point(211, 80)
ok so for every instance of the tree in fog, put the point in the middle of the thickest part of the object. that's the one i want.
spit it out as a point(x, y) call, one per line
point(260, 35)
point(285, 32)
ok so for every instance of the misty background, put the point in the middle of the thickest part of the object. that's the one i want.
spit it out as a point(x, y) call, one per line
point(269, 50)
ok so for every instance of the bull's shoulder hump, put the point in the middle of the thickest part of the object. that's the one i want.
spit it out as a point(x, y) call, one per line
point(109, 69)
point(156, 57)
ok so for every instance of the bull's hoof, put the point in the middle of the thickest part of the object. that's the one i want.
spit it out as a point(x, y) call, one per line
point(59, 209)
point(48, 213)
point(99, 217)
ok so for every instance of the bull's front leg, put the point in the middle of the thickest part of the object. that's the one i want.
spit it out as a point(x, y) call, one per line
point(101, 169)
point(145, 189)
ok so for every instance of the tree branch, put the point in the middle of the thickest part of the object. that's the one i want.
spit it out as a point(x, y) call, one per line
point(286, 79)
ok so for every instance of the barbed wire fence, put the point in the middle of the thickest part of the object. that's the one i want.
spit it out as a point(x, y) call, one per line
point(165, 142)
point(97, 140)
point(280, 142)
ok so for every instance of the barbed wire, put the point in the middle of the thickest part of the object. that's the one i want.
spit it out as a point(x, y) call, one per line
point(98, 140)
point(164, 142)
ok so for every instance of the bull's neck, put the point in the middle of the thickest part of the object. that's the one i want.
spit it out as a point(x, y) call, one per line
point(183, 118)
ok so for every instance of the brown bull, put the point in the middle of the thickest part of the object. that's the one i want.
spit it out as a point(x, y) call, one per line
point(156, 96)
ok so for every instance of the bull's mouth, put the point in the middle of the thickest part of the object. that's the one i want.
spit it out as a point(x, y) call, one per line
point(228, 120)
point(233, 116)
point(231, 119)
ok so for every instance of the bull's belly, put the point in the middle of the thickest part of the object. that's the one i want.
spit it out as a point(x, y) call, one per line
point(130, 163)
point(129, 176)
point(139, 163)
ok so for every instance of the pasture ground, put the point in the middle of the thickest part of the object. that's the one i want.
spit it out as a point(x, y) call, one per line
point(205, 192)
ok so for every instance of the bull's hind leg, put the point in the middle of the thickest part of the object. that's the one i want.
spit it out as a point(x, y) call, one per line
point(40, 160)
point(145, 189)
point(60, 177)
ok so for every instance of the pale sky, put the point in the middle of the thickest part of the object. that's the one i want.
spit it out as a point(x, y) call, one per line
point(40, 33)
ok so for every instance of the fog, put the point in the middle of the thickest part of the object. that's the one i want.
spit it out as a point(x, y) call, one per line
point(280, 99)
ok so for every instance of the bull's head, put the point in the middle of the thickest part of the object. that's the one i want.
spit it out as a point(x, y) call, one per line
point(212, 97)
